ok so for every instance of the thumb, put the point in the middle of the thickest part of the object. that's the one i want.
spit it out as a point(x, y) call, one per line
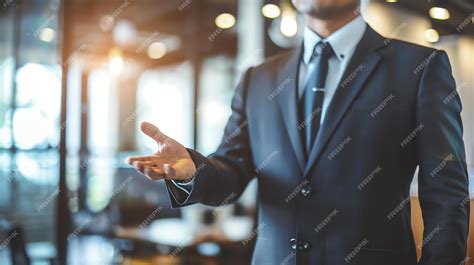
point(152, 131)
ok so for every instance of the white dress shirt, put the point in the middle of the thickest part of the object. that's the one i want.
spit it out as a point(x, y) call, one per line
point(343, 42)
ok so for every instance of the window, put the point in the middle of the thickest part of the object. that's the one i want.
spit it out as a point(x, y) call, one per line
point(164, 98)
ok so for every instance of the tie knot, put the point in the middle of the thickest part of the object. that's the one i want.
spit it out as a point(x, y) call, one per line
point(323, 49)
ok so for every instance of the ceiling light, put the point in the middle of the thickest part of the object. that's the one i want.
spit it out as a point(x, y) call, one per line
point(391, 1)
point(288, 25)
point(431, 35)
point(225, 21)
point(115, 61)
point(156, 50)
point(124, 32)
point(271, 11)
point(439, 13)
point(47, 34)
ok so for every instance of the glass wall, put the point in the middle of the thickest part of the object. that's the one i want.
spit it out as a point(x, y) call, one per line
point(165, 98)
point(30, 76)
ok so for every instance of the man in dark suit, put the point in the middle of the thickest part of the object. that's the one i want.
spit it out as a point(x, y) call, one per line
point(334, 131)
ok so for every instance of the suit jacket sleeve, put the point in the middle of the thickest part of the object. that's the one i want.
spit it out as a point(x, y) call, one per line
point(222, 177)
point(443, 178)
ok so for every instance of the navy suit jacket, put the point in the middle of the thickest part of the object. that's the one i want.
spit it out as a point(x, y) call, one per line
point(396, 108)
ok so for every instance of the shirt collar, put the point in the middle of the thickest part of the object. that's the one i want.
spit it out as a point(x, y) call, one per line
point(340, 43)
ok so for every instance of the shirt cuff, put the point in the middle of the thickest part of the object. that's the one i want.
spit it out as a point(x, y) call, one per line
point(185, 186)
point(179, 191)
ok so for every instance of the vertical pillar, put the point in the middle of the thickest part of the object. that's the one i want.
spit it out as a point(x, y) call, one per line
point(63, 215)
point(83, 149)
point(250, 31)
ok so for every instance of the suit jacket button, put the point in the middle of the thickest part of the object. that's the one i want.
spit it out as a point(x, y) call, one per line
point(303, 245)
point(293, 243)
point(306, 191)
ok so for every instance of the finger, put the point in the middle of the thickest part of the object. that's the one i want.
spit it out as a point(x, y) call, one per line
point(138, 166)
point(153, 173)
point(152, 131)
point(129, 160)
point(147, 163)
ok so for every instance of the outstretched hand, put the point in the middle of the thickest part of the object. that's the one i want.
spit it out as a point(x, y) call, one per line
point(170, 161)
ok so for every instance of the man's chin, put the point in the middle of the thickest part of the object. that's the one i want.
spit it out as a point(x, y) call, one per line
point(326, 13)
point(323, 13)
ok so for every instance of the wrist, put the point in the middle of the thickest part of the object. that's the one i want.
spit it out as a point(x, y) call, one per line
point(185, 181)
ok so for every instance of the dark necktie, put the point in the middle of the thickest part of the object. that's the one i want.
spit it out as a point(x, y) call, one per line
point(313, 95)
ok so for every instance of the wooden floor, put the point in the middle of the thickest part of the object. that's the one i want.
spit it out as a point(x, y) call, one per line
point(417, 224)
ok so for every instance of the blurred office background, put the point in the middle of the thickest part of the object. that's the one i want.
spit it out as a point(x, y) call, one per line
point(78, 76)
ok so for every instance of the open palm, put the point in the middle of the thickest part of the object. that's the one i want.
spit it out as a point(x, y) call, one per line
point(170, 161)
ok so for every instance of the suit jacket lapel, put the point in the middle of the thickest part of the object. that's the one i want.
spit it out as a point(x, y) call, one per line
point(361, 65)
point(287, 89)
